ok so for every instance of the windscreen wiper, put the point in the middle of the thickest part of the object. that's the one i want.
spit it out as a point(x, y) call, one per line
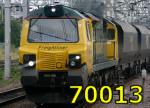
point(50, 35)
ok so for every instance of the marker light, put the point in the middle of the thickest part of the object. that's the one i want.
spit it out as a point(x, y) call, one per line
point(73, 63)
point(77, 57)
point(53, 10)
point(31, 63)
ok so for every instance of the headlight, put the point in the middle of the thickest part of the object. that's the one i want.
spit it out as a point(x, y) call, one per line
point(78, 57)
point(74, 61)
point(30, 61)
point(53, 9)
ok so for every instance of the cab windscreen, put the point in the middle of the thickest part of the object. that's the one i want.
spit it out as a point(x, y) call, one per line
point(54, 11)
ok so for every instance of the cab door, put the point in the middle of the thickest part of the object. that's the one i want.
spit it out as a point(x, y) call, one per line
point(111, 42)
point(99, 43)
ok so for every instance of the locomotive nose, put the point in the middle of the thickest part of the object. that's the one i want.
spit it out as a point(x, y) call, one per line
point(52, 61)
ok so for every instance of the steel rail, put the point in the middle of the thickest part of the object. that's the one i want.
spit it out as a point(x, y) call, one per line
point(11, 96)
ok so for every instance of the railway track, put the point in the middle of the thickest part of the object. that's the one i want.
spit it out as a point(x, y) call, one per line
point(11, 96)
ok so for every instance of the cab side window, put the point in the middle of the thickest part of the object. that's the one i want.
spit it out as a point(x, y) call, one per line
point(98, 32)
point(110, 34)
point(109, 31)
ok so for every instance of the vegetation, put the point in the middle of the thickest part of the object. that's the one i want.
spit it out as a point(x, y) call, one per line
point(15, 77)
point(14, 53)
point(15, 32)
point(15, 38)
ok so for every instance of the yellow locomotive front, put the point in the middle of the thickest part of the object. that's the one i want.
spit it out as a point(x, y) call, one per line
point(54, 48)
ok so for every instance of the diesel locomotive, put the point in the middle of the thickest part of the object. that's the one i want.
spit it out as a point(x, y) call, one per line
point(61, 47)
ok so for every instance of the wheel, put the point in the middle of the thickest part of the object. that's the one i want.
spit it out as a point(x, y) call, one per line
point(97, 80)
point(29, 90)
point(39, 105)
point(106, 78)
point(91, 81)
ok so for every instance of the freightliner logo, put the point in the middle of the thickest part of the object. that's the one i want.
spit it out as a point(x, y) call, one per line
point(48, 48)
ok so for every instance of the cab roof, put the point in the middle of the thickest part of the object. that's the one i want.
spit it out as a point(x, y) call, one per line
point(63, 12)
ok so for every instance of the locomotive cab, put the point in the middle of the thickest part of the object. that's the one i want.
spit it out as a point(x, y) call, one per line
point(54, 48)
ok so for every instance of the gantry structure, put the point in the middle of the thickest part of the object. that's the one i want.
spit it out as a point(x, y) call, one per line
point(133, 11)
point(34, 4)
